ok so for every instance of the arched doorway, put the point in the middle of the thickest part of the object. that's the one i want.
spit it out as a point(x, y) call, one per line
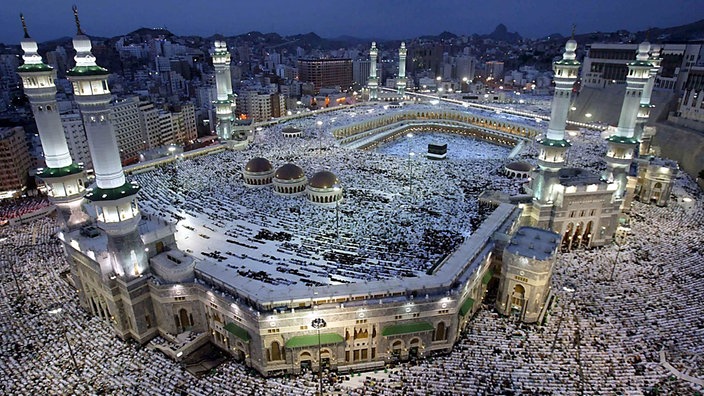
point(414, 348)
point(577, 237)
point(656, 192)
point(396, 349)
point(306, 361)
point(517, 299)
point(325, 358)
point(567, 237)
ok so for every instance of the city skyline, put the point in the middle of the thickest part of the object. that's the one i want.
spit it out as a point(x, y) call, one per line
point(54, 20)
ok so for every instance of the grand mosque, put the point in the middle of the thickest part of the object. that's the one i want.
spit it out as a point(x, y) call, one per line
point(133, 271)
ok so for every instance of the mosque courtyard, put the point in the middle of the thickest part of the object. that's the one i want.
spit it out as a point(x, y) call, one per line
point(640, 333)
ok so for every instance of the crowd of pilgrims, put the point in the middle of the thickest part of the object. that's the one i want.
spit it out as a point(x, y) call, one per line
point(396, 219)
point(601, 336)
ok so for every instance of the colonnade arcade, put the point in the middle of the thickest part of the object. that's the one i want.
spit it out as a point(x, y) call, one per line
point(467, 118)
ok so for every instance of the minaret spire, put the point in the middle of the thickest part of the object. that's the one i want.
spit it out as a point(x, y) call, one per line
point(553, 146)
point(115, 199)
point(78, 21)
point(63, 178)
point(24, 26)
point(574, 26)
point(622, 142)
point(372, 82)
point(225, 101)
point(401, 81)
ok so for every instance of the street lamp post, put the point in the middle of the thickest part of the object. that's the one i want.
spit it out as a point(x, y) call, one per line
point(619, 240)
point(410, 173)
point(569, 289)
point(57, 311)
point(320, 136)
point(337, 190)
point(319, 323)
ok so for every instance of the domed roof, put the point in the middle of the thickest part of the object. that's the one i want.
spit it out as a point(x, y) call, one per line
point(289, 172)
point(323, 179)
point(258, 165)
point(519, 166)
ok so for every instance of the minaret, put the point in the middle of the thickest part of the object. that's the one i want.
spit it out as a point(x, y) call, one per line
point(645, 106)
point(225, 103)
point(553, 146)
point(114, 199)
point(621, 144)
point(373, 82)
point(401, 80)
point(64, 178)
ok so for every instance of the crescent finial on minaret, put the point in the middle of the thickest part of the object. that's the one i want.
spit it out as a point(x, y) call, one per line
point(574, 26)
point(647, 34)
point(24, 26)
point(78, 22)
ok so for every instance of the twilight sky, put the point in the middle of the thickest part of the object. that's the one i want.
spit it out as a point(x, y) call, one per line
point(373, 19)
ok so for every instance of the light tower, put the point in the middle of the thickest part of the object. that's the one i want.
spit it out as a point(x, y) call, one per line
point(621, 144)
point(114, 199)
point(64, 178)
point(373, 81)
point(401, 81)
point(553, 146)
point(225, 102)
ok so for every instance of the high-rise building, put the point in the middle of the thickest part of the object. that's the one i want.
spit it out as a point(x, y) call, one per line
point(64, 178)
point(494, 69)
point(75, 133)
point(128, 128)
point(15, 161)
point(326, 73)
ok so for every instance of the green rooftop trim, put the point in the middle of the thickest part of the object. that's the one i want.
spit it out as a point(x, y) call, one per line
point(640, 63)
point(466, 306)
point(238, 332)
point(621, 140)
point(647, 105)
point(111, 194)
point(60, 172)
point(34, 67)
point(406, 328)
point(88, 71)
point(220, 53)
point(487, 277)
point(555, 143)
point(565, 62)
point(312, 340)
point(224, 101)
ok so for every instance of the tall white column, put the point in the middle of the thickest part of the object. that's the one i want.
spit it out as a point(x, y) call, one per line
point(645, 105)
point(553, 146)
point(401, 80)
point(115, 200)
point(621, 144)
point(64, 178)
point(373, 82)
point(225, 103)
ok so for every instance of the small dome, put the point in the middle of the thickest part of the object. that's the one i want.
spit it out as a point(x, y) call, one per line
point(258, 165)
point(571, 45)
point(519, 166)
point(289, 172)
point(323, 180)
